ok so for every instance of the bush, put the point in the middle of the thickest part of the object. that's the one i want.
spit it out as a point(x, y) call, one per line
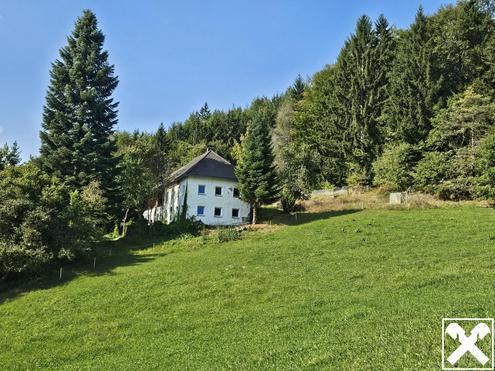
point(228, 234)
point(357, 179)
point(394, 168)
point(288, 200)
point(432, 170)
point(41, 219)
point(485, 183)
point(449, 175)
point(15, 260)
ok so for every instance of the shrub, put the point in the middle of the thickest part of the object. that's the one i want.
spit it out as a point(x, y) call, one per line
point(394, 168)
point(288, 200)
point(432, 170)
point(228, 234)
point(485, 183)
point(357, 179)
point(15, 260)
point(449, 175)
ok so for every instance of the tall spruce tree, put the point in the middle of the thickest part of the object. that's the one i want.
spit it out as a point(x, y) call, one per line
point(80, 114)
point(255, 168)
point(413, 86)
point(317, 125)
point(360, 91)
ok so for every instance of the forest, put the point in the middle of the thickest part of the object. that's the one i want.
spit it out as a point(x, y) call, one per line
point(402, 109)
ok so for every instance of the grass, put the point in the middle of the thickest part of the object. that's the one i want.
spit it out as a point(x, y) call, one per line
point(360, 289)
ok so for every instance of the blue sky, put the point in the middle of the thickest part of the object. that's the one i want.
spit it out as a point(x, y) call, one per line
point(172, 56)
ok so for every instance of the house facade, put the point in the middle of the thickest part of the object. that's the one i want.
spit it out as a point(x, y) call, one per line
point(207, 187)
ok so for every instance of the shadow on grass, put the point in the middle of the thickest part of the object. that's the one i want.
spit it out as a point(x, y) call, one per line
point(108, 256)
point(112, 254)
point(278, 217)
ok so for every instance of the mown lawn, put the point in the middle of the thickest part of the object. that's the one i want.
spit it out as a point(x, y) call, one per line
point(355, 290)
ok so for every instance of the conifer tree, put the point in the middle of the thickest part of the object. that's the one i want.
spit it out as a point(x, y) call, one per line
point(255, 169)
point(80, 114)
point(9, 155)
point(412, 84)
point(296, 90)
point(360, 90)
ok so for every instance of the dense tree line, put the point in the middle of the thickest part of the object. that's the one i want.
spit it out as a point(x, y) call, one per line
point(399, 109)
point(406, 108)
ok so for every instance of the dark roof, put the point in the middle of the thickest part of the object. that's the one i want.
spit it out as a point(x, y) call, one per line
point(209, 164)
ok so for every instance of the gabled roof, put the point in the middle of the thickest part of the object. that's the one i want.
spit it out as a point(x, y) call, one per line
point(209, 164)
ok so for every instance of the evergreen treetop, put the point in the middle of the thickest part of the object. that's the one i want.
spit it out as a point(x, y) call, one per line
point(80, 114)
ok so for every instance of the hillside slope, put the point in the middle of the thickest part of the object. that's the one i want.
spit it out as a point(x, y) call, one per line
point(344, 290)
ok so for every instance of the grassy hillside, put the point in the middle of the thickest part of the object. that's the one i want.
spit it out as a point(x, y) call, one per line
point(363, 289)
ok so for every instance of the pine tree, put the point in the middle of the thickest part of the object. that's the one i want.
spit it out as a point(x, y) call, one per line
point(413, 87)
point(80, 114)
point(255, 169)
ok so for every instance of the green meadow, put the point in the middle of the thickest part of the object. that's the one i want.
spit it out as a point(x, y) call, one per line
point(356, 289)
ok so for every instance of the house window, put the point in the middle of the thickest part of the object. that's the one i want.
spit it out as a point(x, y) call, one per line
point(235, 213)
point(200, 211)
point(201, 189)
point(218, 212)
point(236, 192)
point(218, 191)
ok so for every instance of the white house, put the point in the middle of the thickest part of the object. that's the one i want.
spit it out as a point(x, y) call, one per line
point(210, 184)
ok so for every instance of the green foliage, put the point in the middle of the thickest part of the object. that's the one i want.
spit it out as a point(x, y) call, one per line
point(459, 34)
point(9, 156)
point(228, 234)
point(432, 170)
point(317, 127)
point(485, 186)
point(142, 166)
point(361, 90)
point(339, 117)
point(413, 86)
point(394, 169)
point(42, 220)
point(448, 175)
point(80, 114)
point(465, 120)
point(256, 171)
point(17, 260)
point(296, 163)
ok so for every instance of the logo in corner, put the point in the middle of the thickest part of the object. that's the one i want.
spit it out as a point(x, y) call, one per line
point(467, 344)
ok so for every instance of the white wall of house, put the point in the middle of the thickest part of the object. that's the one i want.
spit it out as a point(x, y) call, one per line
point(208, 206)
point(173, 200)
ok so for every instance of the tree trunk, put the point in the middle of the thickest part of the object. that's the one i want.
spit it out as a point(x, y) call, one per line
point(124, 223)
point(254, 214)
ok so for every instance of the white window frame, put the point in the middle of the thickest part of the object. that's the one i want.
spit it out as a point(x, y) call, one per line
point(233, 192)
point(197, 213)
point(238, 213)
point(202, 185)
point(221, 191)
